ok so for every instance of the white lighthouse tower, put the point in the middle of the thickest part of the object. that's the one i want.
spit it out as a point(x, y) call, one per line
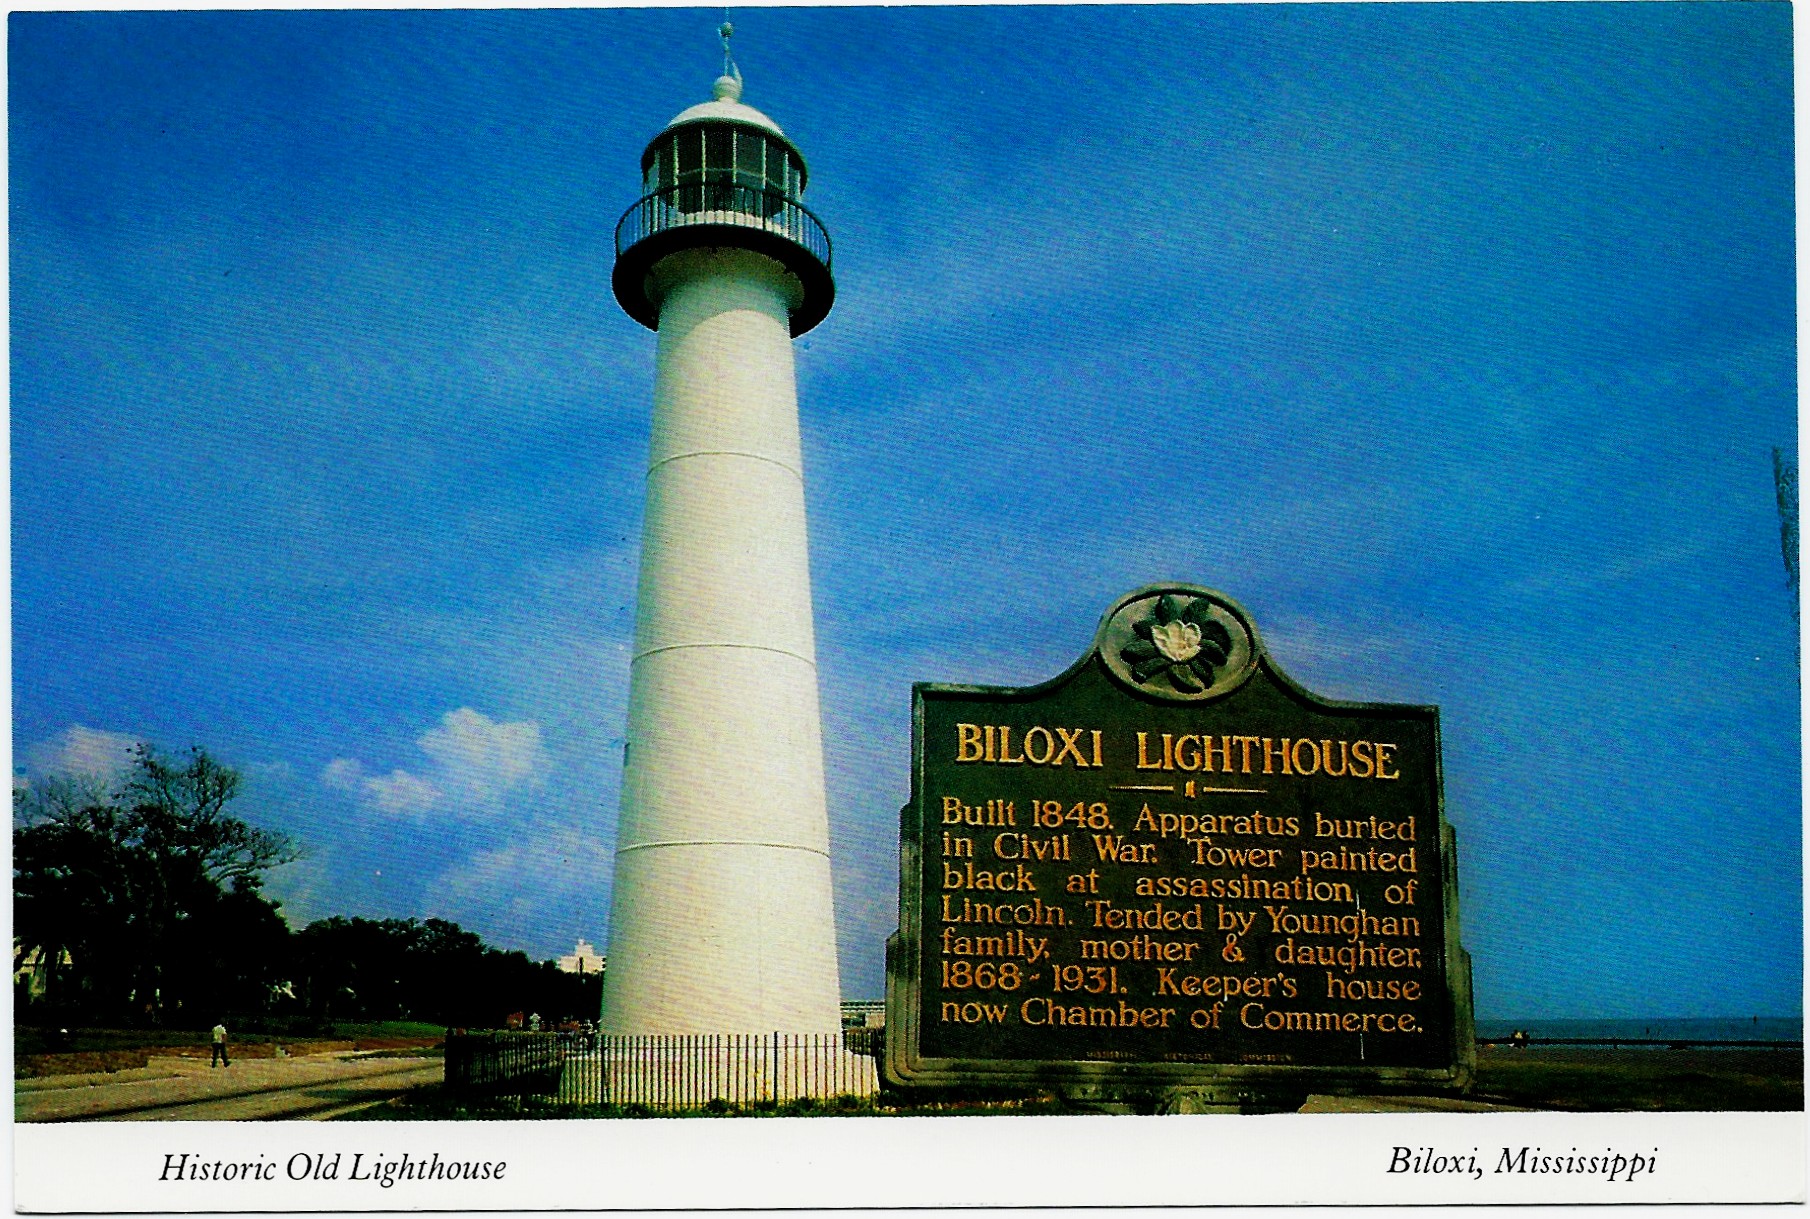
point(721, 918)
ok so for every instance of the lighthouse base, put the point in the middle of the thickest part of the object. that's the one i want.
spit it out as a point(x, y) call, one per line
point(726, 938)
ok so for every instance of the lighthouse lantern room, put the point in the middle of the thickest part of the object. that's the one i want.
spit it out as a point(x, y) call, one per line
point(723, 174)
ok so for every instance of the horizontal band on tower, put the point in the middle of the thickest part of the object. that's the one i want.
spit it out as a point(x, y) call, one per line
point(723, 842)
point(752, 647)
point(798, 474)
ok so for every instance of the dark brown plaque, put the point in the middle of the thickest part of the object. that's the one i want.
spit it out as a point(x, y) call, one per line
point(1171, 867)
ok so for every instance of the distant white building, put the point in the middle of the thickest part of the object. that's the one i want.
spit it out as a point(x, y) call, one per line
point(863, 1013)
point(582, 960)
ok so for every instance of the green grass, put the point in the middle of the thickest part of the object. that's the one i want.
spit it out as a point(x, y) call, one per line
point(435, 1104)
point(1555, 1078)
point(35, 1040)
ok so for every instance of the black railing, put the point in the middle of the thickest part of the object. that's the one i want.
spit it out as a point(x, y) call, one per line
point(660, 1072)
point(504, 1064)
point(861, 1039)
point(725, 202)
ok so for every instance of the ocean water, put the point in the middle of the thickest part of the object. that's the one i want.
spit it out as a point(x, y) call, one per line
point(1735, 1028)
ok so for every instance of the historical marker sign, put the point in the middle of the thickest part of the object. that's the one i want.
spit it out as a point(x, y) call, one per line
point(1172, 867)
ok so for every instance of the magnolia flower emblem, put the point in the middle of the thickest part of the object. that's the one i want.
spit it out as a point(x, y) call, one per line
point(1178, 640)
point(1181, 643)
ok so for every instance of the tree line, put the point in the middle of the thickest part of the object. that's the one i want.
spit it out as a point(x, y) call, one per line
point(144, 905)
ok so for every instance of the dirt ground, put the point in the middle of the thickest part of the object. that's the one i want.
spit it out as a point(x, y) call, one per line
point(1603, 1078)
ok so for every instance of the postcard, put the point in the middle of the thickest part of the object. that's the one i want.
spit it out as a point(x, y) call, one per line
point(905, 606)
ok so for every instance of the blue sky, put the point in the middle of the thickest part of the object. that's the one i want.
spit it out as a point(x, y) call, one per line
point(1452, 341)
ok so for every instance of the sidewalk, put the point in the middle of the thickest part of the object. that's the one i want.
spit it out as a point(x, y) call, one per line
point(188, 1089)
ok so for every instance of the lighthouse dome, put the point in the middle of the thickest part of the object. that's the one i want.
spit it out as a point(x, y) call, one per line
point(726, 106)
point(723, 112)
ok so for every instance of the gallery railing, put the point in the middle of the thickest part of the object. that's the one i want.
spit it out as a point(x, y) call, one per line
point(661, 1072)
point(720, 201)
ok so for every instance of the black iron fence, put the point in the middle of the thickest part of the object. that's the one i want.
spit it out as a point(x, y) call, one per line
point(863, 1039)
point(661, 1072)
point(504, 1064)
point(722, 201)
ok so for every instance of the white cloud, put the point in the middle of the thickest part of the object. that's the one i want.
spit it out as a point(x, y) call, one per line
point(481, 759)
point(400, 792)
point(476, 762)
point(84, 752)
point(343, 774)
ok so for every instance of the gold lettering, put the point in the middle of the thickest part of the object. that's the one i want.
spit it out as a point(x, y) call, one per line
point(1336, 758)
point(1083, 882)
point(1144, 762)
point(1254, 1016)
point(1370, 988)
point(1192, 760)
point(967, 743)
point(1344, 859)
point(1271, 751)
point(1071, 744)
point(1225, 753)
point(1041, 1011)
point(1018, 880)
point(1313, 751)
point(1246, 742)
point(1344, 758)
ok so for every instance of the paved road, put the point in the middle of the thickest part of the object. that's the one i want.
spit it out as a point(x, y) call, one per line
point(257, 1089)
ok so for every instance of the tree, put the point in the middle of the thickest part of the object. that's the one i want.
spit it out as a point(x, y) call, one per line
point(154, 894)
point(154, 890)
point(388, 969)
point(69, 896)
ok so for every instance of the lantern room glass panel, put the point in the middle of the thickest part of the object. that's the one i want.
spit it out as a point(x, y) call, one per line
point(723, 168)
point(688, 147)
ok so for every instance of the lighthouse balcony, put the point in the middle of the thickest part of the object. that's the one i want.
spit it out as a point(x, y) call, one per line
point(722, 213)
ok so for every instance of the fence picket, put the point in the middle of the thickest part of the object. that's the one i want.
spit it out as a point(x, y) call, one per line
point(686, 1071)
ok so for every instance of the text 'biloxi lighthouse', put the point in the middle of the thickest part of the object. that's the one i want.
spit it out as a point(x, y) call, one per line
point(720, 917)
